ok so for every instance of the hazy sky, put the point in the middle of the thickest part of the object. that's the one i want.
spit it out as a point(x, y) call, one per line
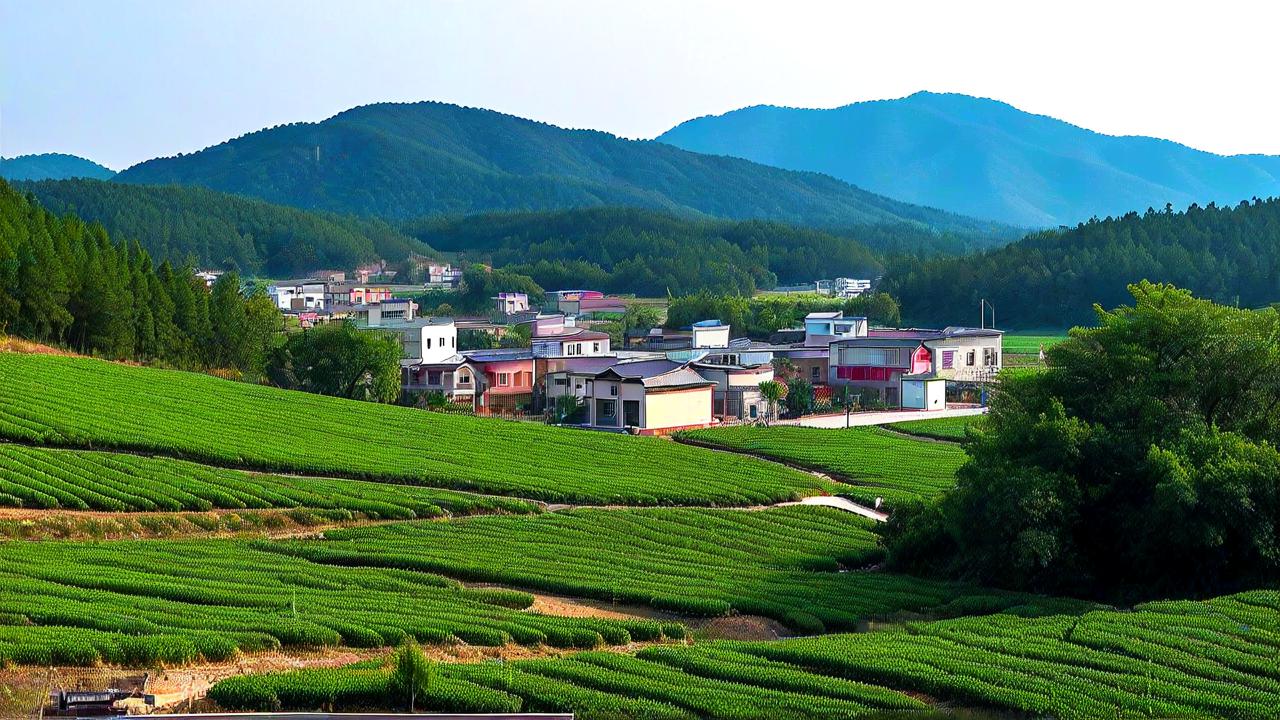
point(121, 82)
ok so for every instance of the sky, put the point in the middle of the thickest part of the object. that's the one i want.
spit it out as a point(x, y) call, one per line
point(123, 81)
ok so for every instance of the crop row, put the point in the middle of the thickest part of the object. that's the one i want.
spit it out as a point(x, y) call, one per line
point(781, 563)
point(76, 480)
point(1175, 659)
point(175, 601)
point(61, 401)
point(952, 429)
point(673, 684)
point(877, 463)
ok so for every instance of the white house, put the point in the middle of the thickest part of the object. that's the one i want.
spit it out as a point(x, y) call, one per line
point(647, 397)
point(424, 340)
point(298, 294)
point(823, 328)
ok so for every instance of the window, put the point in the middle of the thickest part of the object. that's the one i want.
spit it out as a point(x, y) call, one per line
point(442, 342)
point(453, 341)
point(613, 390)
point(948, 359)
point(882, 357)
point(433, 377)
point(608, 408)
point(813, 372)
point(428, 342)
point(595, 347)
point(562, 382)
point(969, 358)
point(504, 379)
point(754, 412)
point(464, 378)
point(990, 357)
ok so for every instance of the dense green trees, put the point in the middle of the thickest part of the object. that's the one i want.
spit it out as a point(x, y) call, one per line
point(1051, 279)
point(648, 252)
point(759, 316)
point(1143, 461)
point(65, 282)
point(341, 360)
point(214, 229)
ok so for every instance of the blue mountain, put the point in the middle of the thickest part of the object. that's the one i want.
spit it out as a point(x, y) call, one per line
point(52, 166)
point(981, 158)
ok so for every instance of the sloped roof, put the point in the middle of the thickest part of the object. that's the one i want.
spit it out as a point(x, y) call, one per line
point(654, 374)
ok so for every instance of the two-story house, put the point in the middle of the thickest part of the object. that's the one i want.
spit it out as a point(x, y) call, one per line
point(910, 367)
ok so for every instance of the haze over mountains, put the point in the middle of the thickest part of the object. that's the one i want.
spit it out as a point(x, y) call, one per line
point(982, 158)
point(52, 166)
point(407, 160)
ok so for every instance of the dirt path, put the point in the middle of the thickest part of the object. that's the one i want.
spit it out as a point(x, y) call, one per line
point(60, 524)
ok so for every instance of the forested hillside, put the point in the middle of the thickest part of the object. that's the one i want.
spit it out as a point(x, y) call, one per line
point(981, 157)
point(409, 160)
point(650, 252)
point(51, 166)
point(1052, 279)
point(66, 282)
point(219, 230)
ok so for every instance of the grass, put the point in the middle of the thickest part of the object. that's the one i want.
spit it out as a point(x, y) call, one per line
point(878, 463)
point(35, 477)
point(952, 429)
point(60, 401)
point(1029, 343)
point(1168, 659)
point(178, 601)
point(781, 563)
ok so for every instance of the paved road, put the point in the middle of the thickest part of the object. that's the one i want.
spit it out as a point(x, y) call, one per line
point(367, 716)
point(841, 503)
point(879, 418)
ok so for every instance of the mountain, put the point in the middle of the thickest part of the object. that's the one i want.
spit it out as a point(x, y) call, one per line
point(174, 223)
point(982, 158)
point(1052, 279)
point(51, 166)
point(648, 252)
point(409, 160)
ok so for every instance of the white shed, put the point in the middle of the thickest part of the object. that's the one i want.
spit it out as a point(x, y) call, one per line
point(924, 393)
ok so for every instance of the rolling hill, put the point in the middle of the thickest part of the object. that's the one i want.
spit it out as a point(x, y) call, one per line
point(982, 158)
point(1052, 279)
point(408, 160)
point(51, 166)
point(175, 223)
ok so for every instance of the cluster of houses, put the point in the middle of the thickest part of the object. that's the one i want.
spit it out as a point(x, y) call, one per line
point(666, 380)
point(661, 380)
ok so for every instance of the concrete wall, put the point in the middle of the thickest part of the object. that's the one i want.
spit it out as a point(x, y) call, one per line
point(676, 408)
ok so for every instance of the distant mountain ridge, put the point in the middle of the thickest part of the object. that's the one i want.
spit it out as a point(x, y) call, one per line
point(982, 158)
point(408, 160)
point(52, 166)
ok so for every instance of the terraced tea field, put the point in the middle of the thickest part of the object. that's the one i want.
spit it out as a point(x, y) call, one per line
point(61, 400)
point(141, 602)
point(781, 563)
point(1164, 660)
point(33, 477)
point(878, 463)
point(951, 429)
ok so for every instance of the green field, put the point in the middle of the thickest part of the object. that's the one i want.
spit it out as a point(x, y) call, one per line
point(877, 463)
point(89, 403)
point(1029, 343)
point(952, 429)
point(1214, 659)
point(783, 563)
point(146, 601)
point(75, 480)
point(1164, 660)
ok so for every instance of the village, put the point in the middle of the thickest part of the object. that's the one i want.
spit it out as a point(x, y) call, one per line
point(659, 380)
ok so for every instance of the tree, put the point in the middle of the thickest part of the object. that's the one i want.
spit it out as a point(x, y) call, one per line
point(342, 360)
point(1142, 461)
point(799, 396)
point(413, 676)
point(773, 392)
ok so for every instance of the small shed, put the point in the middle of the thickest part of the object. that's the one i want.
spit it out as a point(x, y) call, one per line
point(928, 393)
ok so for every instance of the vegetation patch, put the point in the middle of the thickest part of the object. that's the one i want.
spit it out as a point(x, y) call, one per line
point(59, 401)
point(877, 463)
